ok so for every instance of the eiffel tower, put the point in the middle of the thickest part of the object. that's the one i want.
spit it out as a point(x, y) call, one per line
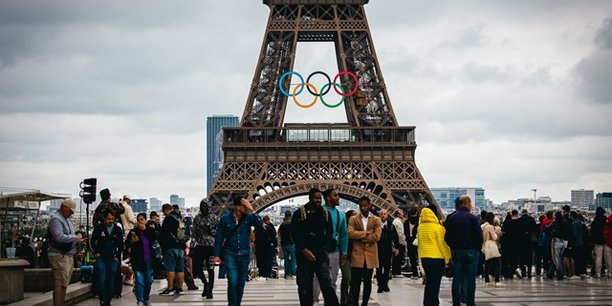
point(371, 155)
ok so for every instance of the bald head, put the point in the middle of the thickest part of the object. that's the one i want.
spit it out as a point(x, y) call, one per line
point(466, 202)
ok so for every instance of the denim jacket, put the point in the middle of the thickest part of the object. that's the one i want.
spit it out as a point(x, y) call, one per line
point(239, 242)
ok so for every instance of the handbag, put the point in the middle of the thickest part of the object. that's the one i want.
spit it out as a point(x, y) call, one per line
point(490, 250)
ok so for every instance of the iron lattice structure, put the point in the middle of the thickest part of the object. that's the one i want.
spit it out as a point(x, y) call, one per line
point(370, 156)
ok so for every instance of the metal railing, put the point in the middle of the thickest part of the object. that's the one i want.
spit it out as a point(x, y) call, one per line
point(319, 134)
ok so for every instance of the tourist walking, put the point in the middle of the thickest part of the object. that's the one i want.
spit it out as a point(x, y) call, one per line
point(434, 254)
point(388, 246)
point(232, 245)
point(339, 242)
point(105, 205)
point(312, 233)
point(203, 242)
point(265, 247)
point(398, 223)
point(464, 236)
point(172, 241)
point(139, 243)
point(558, 230)
point(62, 248)
point(107, 245)
point(288, 245)
point(345, 284)
point(364, 230)
point(602, 252)
point(490, 247)
point(411, 226)
point(128, 220)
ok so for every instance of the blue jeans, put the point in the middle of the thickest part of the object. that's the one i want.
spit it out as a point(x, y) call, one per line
point(237, 267)
point(557, 246)
point(289, 255)
point(106, 273)
point(144, 280)
point(465, 264)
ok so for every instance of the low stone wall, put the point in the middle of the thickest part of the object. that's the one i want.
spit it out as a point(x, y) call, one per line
point(11, 278)
point(41, 279)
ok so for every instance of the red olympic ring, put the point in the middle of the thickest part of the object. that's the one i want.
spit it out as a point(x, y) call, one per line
point(350, 93)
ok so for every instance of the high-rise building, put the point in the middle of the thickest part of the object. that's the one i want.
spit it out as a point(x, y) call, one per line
point(582, 199)
point(155, 204)
point(604, 200)
point(176, 200)
point(446, 196)
point(214, 142)
point(54, 205)
point(139, 205)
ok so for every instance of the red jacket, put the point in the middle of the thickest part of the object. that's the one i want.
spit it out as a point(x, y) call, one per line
point(608, 231)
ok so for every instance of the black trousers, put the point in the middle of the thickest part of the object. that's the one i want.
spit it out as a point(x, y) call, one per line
point(434, 269)
point(306, 270)
point(398, 260)
point(383, 272)
point(526, 259)
point(201, 260)
point(359, 275)
point(492, 267)
point(413, 256)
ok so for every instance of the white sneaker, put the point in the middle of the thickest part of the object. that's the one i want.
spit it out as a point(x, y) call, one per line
point(489, 285)
point(500, 285)
point(140, 304)
point(518, 273)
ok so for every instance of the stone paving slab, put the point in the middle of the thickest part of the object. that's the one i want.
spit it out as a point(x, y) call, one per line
point(404, 291)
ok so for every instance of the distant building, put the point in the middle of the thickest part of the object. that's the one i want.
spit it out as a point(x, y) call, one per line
point(155, 204)
point(139, 205)
point(604, 200)
point(446, 196)
point(214, 143)
point(176, 200)
point(582, 199)
point(54, 205)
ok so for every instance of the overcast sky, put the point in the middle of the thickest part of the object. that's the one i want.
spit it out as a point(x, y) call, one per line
point(505, 95)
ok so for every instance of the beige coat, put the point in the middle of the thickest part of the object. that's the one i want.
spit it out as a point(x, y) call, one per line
point(365, 244)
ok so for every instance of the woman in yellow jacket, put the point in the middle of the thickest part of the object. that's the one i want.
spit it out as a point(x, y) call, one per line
point(434, 254)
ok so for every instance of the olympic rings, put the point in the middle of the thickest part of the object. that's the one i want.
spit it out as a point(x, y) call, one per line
point(354, 78)
point(338, 88)
point(282, 78)
point(323, 92)
point(305, 106)
point(341, 99)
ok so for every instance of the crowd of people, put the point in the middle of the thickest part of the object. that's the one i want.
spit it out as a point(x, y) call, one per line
point(318, 244)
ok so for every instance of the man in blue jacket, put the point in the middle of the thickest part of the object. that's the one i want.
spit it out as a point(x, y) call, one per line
point(232, 245)
point(464, 236)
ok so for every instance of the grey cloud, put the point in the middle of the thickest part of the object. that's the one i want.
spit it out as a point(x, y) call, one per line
point(471, 37)
point(594, 72)
point(603, 37)
point(475, 72)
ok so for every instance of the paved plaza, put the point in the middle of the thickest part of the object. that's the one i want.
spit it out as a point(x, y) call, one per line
point(404, 291)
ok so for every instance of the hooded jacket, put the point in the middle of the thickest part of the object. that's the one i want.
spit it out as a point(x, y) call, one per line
point(608, 231)
point(431, 237)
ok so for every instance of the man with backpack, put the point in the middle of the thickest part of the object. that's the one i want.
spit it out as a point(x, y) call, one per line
point(312, 232)
point(173, 244)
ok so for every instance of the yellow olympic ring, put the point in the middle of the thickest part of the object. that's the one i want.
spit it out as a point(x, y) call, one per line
point(305, 106)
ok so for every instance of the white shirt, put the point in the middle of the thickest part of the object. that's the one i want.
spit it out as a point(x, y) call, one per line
point(364, 220)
